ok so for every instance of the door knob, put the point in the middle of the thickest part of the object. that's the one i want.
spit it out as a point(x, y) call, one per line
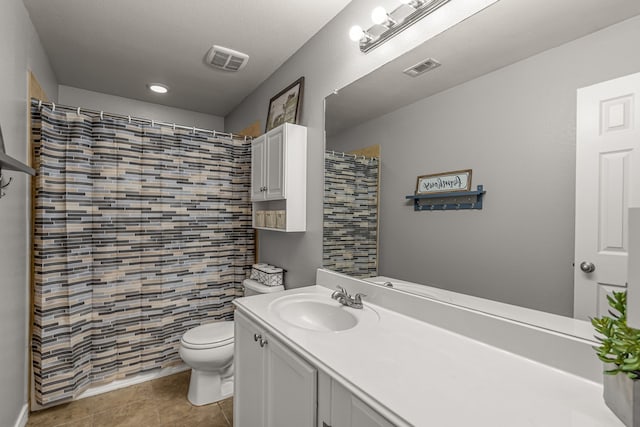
point(587, 267)
point(256, 337)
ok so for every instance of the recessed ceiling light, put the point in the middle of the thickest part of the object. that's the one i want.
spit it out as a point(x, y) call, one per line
point(158, 88)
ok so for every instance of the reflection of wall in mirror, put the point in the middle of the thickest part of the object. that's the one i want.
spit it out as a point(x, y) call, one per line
point(515, 127)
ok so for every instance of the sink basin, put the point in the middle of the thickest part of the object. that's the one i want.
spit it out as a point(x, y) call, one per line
point(318, 313)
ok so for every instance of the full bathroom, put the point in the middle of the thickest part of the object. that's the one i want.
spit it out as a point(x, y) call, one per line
point(342, 214)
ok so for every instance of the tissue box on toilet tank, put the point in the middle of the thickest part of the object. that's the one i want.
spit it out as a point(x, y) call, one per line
point(267, 274)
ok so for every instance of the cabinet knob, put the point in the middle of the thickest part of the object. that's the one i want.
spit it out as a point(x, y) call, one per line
point(257, 337)
point(263, 342)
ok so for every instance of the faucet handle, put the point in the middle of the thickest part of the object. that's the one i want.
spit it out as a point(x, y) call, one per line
point(358, 297)
point(340, 292)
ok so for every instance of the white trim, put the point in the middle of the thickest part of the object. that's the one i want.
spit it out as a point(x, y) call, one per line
point(23, 417)
point(137, 379)
point(118, 384)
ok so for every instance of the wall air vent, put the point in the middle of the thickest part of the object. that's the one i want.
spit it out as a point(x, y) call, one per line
point(226, 59)
point(421, 67)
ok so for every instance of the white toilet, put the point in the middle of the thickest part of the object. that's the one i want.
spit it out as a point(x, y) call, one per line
point(208, 350)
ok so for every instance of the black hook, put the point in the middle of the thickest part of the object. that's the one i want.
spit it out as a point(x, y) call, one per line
point(7, 184)
point(2, 187)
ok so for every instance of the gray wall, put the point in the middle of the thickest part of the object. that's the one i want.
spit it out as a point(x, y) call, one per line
point(515, 128)
point(116, 104)
point(20, 50)
point(329, 61)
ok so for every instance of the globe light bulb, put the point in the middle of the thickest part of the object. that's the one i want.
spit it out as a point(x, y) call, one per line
point(379, 15)
point(356, 33)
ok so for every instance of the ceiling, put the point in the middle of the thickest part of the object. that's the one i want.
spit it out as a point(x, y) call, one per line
point(503, 33)
point(118, 46)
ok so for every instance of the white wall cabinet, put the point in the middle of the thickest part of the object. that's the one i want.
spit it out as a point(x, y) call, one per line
point(273, 386)
point(279, 179)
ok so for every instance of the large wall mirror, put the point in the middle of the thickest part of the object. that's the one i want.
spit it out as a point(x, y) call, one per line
point(503, 103)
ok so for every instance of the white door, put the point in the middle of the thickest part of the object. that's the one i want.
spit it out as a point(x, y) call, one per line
point(248, 399)
point(607, 183)
point(275, 164)
point(257, 168)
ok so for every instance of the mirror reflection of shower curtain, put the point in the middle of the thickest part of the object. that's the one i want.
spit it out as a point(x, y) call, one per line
point(350, 228)
point(141, 232)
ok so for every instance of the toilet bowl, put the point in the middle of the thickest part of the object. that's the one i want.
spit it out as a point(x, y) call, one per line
point(208, 351)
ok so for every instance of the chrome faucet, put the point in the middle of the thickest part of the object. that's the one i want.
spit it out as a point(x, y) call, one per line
point(343, 297)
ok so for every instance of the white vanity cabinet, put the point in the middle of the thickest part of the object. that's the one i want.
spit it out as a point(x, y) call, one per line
point(273, 386)
point(279, 179)
point(349, 411)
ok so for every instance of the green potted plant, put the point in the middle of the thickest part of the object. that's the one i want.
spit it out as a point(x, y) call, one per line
point(619, 349)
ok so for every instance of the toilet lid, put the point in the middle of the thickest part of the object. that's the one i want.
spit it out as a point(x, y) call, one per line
point(210, 335)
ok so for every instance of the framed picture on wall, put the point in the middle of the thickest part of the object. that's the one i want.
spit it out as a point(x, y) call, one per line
point(285, 106)
point(444, 182)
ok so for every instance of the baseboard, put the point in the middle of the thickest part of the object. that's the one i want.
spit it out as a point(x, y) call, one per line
point(136, 379)
point(23, 417)
point(118, 384)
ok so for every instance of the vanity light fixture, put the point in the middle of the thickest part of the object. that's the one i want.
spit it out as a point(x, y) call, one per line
point(356, 34)
point(158, 87)
point(413, 3)
point(379, 16)
point(387, 25)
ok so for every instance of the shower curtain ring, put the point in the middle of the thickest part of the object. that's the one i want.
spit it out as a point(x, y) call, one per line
point(39, 104)
point(129, 117)
point(174, 127)
point(194, 130)
point(78, 110)
point(53, 107)
point(101, 115)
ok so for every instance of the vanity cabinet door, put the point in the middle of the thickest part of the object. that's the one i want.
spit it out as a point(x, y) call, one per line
point(349, 411)
point(273, 386)
point(290, 388)
point(248, 402)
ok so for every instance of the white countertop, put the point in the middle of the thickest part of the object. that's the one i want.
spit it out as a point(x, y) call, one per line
point(422, 375)
point(553, 322)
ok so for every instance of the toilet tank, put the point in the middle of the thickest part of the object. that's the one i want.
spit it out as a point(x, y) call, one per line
point(253, 287)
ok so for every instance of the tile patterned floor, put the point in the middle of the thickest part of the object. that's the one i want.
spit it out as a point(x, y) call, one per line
point(158, 403)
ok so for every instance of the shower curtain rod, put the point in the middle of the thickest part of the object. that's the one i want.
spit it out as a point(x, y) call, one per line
point(355, 156)
point(215, 133)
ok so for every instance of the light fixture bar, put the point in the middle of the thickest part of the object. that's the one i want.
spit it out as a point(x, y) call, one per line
point(423, 10)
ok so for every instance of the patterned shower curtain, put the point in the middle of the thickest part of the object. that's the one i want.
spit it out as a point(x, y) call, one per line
point(350, 229)
point(141, 232)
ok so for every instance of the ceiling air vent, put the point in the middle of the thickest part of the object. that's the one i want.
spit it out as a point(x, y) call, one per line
point(421, 67)
point(226, 59)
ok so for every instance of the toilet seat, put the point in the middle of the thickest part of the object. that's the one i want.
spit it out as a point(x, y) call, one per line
point(211, 335)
